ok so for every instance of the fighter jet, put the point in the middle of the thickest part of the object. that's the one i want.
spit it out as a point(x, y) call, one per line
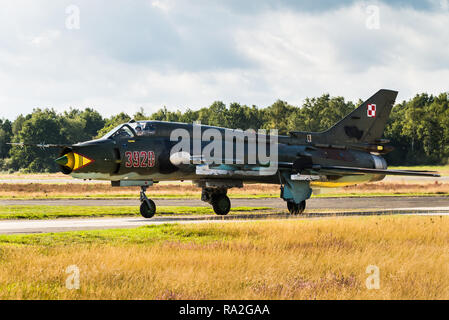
point(142, 153)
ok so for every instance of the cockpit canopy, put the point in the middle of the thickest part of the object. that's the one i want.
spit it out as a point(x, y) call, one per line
point(132, 130)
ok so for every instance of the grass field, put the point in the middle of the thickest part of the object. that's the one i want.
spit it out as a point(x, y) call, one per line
point(300, 259)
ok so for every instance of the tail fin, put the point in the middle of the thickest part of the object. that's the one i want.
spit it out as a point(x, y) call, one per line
point(365, 124)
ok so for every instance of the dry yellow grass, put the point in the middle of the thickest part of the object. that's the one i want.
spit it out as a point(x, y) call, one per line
point(433, 187)
point(79, 190)
point(300, 259)
point(44, 189)
point(39, 190)
point(18, 175)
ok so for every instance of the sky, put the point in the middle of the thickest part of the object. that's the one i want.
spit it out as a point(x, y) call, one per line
point(117, 56)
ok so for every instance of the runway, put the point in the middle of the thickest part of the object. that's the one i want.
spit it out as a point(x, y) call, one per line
point(370, 206)
point(277, 203)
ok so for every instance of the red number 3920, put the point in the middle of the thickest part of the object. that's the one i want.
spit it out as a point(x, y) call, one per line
point(140, 159)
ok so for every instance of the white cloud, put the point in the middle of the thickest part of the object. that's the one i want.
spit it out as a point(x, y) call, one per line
point(127, 57)
point(45, 38)
point(440, 4)
point(162, 5)
point(334, 52)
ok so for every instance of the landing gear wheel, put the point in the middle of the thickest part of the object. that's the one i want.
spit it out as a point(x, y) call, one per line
point(221, 204)
point(148, 209)
point(296, 209)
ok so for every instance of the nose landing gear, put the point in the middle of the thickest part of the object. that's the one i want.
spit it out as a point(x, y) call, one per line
point(148, 207)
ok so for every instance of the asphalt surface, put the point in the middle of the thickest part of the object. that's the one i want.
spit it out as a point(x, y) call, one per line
point(378, 205)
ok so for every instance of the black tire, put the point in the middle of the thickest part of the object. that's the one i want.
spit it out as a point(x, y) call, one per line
point(296, 209)
point(148, 209)
point(292, 207)
point(302, 207)
point(221, 204)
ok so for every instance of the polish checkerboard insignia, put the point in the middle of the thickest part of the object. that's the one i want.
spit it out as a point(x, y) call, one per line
point(371, 111)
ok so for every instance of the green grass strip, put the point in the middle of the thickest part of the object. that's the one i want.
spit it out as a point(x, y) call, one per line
point(51, 212)
point(141, 235)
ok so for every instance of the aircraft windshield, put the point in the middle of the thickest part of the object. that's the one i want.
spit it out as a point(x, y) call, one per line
point(121, 131)
point(131, 130)
point(144, 128)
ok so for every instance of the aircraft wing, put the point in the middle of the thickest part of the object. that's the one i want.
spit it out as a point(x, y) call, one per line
point(354, 170)
point(203, 168)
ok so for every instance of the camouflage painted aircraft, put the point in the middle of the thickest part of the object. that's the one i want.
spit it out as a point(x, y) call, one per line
point(140, 154)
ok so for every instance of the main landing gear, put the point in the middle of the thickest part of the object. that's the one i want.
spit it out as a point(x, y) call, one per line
point(216, 196)
point(218, 199)
point(296, 208)
point(293, 207)
point(148, 207)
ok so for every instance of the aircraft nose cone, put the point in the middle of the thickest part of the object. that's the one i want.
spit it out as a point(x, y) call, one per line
point(73, 161)
point(62, 160)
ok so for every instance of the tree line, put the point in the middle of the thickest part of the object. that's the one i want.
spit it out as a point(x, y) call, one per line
point(417, 128)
